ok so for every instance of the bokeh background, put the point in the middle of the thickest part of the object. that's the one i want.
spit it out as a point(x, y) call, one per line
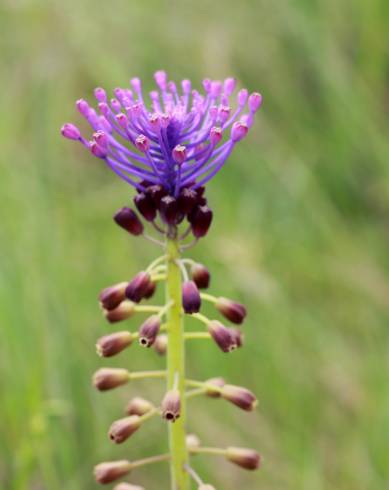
point(301, 235)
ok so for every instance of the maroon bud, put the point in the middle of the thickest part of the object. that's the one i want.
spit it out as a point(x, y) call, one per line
point(235, 312)
point(156, 192)
point(112, 296)
point(222, 336)
point(187, 200)
point(149, 330)
point(201, 220)
point(128, 219)
point(122, 312)
point(191, 300)
point(237, 336)
point(217, 383)
point(112, 344)
point(122, 429)
point(245, 458)
point(200, 190)
point(138, 287)
point(171, 406)
point(160, 344)
point(169, 210)
point(241, 397)
point(152, 286)
point(200, 275)
point(202, 201)
point(111, 471)
point(144, 183)
point(139, 406)
point(145, 206)
point(107, 378)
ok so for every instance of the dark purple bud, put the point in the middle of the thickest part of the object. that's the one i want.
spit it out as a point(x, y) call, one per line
point(123, 428)
point(145, 206)
point(187, 200)
point(245, 458)
point(111, 471)
point(191, 300)
point(241, 397)
point(122, 312)
point(127, 218)
point(139, 406)
point(112, 344)
point(235, 312)
point(150, 290)
point(171, 406)
point(149, 330)
point(202, 201)
point(112, 296)
point(200, 191)
point(200, 275)
point(222, 336)
point(144, 183)
point(108, 378)
point(160, 344)
point(169, 210)
point(201, 220)
point(138, 287)
point(237, 336)
point(156, 192)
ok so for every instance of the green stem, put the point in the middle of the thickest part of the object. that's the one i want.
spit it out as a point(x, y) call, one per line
point(176, 366)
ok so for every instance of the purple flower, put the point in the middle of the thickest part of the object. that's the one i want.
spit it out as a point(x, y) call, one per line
point(177, 139)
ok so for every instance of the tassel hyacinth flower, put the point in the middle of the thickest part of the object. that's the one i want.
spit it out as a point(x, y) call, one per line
point(168, 147)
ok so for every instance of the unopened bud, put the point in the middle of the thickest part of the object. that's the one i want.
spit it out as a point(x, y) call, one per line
point(217, 383)
point(125, 310)
point(145, 206)
point(237, 336)
point(138, 286)
point(233, 311)
point(222, 336)
point(238, 131)
point(112, 344)
point(142, 143)
point(241, 397)
point(160, 344)
point(152, 286)
point(171, 406)
point(149, 330)
point(112, 296)
point(215, 135)
point(255, 101)
point(127, 219)
point(111, 471)
point(201, 220)
point(97, 150)
point(229, 86)
point(169, 210)
point(191, 301)
point(245, 458)
point(139, 406)
point(70, 131)
point(122, 429)
point(108, 378)
point(187, 200)
point(192, 441)
point(200, 275)
point(156, 192)
point(179, 154)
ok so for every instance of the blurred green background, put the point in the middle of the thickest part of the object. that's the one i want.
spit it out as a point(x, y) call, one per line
point(301, 235)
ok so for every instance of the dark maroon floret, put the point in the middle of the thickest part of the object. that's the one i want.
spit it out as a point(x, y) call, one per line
point(191, 301)
point(169, 210)
point(156, 192)
point(201, 220)
point(187, 200)
point(127, 219)
point(145, 206)
point(138, 287)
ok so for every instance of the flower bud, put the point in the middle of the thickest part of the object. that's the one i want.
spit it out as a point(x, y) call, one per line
point(245, 458)
point(149, 330)
point(179, 154)
point(70, 131)
point(187, 200)
point(107, 378)
point(218, 383)
point(215, 135)
point(171, 406)
point(127, 219)
point(238, 131)
point(139, 406)
point(112, 296)
point(191, 301)
point(125, 310)
point(127, 486)
point(145, 206)
point(222, 336)
point(169, 210)
point(156, 192)
point(149, 293)
point(111, 471)
point(138, 286)
point(241, 397)
point(200, 275)
point(237, 336)
point(192, 441)
point(160, 344)
point(255, 101)
point(142, 143)
point(97, 150)
point(229, 86)
point(112, 344)
point(235, 312)
point(122, 429)
point(201, 220)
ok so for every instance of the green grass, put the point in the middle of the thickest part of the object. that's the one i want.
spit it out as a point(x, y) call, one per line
point(302, 239)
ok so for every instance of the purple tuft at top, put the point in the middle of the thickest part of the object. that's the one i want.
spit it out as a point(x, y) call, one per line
point(180, 139)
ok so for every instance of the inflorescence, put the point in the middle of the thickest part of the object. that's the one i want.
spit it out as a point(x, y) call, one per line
point(168, 149)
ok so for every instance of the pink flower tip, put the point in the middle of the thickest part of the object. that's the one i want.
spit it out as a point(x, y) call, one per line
point(100, 94)
point(97, 150)
point(216, 135)
point(255, 101)
point(83, 107)
point(186, 86)
point(238, 131)
point(242, 96)
point(70, 131)
point(229, 86)
point(142, 143)
point(101, 138)
point(179, 154)
point(160, 78)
